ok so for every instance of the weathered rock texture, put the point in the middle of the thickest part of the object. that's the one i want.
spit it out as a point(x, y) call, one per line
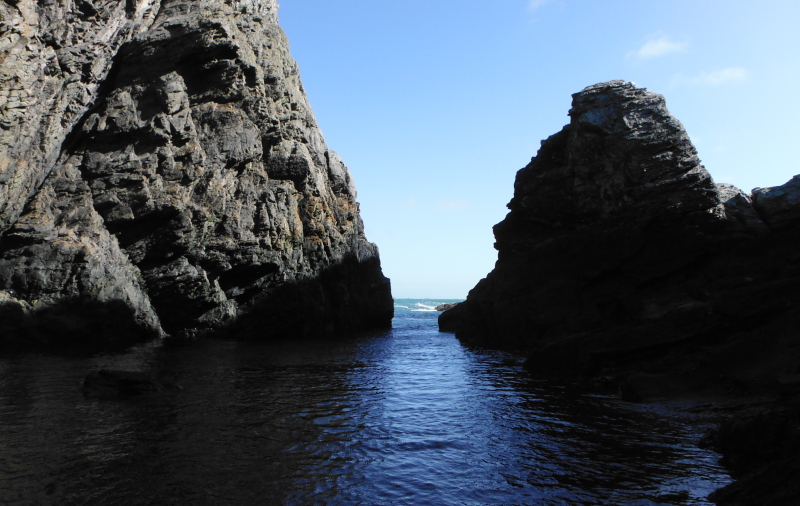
point(619, 248)
point(621, 263)
point(163, 156)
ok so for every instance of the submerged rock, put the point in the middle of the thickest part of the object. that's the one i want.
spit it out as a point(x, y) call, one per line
point(177, 170)
point(111, 384)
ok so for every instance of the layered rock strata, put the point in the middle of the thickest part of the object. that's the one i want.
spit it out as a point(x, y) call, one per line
point(161, 158)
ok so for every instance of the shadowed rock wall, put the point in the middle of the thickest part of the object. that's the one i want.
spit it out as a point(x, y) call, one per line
point(620, 260)
point(622, 264)
point(164, 154)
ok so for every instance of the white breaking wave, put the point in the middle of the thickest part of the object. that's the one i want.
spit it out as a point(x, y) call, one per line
point(424, 307)
point(421, 305)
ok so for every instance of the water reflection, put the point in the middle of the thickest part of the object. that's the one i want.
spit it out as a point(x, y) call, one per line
point(405, 416)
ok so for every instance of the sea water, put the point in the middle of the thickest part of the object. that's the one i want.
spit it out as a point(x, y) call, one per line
point(402, 416)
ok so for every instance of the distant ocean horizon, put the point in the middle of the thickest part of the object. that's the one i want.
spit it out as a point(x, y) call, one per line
point(421, 305)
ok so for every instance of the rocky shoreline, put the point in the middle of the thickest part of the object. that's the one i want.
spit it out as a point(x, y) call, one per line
point(162, 174)
point(623, 265)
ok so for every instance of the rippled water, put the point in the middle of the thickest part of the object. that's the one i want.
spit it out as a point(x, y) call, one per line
point(407, 416)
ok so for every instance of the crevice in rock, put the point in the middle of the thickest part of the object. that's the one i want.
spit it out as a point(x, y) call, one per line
point(87, 10)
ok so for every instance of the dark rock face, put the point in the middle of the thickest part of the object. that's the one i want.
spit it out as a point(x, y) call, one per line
point(73, 325)
point(780, 206)
point(594, 214)
point(622, 264)
point(177, 169)
point(761, 449)
point(620, 251)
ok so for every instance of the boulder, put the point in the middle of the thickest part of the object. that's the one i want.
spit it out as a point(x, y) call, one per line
point(445, 307)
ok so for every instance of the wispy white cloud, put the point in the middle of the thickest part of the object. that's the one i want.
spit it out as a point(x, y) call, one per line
point(452, 205)
point(534, 5)
point(410, 203)
point(658, 45)
point(715, 78)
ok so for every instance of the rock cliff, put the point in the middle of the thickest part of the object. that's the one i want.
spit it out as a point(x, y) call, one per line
point(619, 249)
point(161, 171)
point(622, 264)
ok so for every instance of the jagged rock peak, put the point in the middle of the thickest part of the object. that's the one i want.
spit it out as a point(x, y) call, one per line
point(177, 168)
point(622, 151)
point(619, 106)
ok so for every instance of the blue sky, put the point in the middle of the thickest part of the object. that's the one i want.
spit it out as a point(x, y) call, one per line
point(435, 104)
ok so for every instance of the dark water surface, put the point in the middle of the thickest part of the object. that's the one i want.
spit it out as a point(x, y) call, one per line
point(407, 416)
